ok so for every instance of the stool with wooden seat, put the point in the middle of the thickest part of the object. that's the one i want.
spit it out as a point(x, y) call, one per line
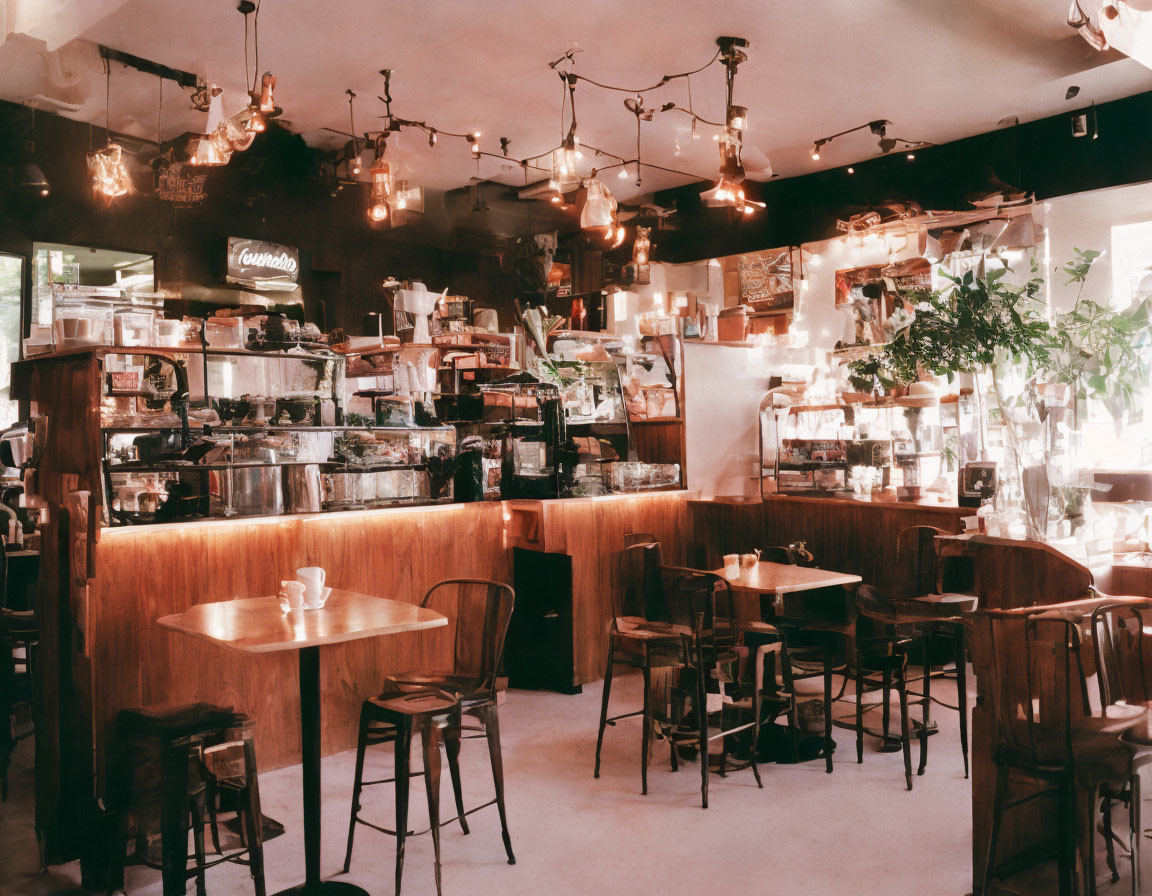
point(462, 681)
point(639, 637)
point(163, 784)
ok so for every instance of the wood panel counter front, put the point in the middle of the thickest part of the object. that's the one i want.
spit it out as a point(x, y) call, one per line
point(145, 573)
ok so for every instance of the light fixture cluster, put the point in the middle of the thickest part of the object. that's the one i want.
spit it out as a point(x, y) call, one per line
point(224, 136)
point(110, 176)
point(879, 128)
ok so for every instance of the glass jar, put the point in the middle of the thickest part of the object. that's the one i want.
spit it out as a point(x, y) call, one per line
point(80, 323)
point(135, 326)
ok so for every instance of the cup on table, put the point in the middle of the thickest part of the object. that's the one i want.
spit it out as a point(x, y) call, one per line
point(732, 566)
point(312, 578)
point(747, 564)
point(291, 595)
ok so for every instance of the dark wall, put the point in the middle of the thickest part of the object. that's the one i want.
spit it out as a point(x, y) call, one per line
point(1041, 157)
point(269, 192)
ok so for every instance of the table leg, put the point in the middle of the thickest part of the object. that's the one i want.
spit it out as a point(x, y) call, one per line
point(310, 759)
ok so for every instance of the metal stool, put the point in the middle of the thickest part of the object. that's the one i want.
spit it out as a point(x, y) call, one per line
point(174, 761)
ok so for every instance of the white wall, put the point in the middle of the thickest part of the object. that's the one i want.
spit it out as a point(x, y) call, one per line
point(723, 386)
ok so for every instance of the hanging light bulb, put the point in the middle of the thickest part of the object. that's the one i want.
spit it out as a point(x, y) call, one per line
point(599, 206)
point(381, 190)
point(815, 152)
point(729, 189)
point(737, 117)
point(212, 148)
point(474, 142)
point(641, 253)
point(267, 103)
point(620, 233)
point(109, 173)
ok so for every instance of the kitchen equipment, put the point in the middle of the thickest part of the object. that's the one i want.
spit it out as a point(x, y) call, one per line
point(224, 332)
point(302, 489)
point(254, 491)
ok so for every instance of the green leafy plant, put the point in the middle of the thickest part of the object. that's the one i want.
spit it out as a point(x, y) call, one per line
point(1102, 353)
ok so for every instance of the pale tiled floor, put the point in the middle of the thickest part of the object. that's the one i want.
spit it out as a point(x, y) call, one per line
point(857, 831)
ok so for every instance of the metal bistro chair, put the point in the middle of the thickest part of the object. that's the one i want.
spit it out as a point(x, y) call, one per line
point(1046, 732)
point(640, 636)
point(432, 703)
point(709, 679)
point(1118, 636)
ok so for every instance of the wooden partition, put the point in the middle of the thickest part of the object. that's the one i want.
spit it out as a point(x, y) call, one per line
point(844, 535)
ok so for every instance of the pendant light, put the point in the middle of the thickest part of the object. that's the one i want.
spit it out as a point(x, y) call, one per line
point(211, 148)
point(109, 173)
point(599, 206)
point(729, 189)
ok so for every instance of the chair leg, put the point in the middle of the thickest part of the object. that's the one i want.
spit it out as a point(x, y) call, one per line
point(962, 690)
point(646, 732)
point(357, 786)
point(430, 740)
point(451, 736)
point(603, 709)
point(492, 729)
point(197, 809)
point(1110, 840)
point(905, 738)
point(859, 714)
point(403, 757)
point(999, 792)
point(829, 744)
point(254, 820)
point(885, 708)
point(174, 820)
point(926, 715)
point(1135, 832)
point(1066, 826)
point(701, 708)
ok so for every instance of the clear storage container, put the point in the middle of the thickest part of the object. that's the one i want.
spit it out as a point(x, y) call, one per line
point(79, 323)
point(135, 326)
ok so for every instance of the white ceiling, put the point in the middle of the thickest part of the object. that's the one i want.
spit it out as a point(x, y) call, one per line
point(938, 69)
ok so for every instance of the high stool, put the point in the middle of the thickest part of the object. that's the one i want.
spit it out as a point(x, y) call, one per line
point(397, 718)
point(174, 758)
point(640, 637)
point(468, 652)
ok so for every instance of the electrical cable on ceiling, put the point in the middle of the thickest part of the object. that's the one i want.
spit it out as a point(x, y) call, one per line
point(664, 80)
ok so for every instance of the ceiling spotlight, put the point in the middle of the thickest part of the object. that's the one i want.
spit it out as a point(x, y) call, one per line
point(32, 178)
point(911, 157)
point(851, 170)
point(815, 152)
point(474, 142)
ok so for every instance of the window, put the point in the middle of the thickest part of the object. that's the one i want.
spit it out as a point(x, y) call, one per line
point(11, 290)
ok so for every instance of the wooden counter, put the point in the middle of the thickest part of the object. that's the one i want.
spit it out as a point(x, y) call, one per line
point(139, 575)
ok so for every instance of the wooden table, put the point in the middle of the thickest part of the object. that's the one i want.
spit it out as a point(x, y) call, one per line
point(778, 579)
point(257, 625)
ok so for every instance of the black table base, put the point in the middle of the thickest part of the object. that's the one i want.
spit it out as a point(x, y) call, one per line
point(310, 759)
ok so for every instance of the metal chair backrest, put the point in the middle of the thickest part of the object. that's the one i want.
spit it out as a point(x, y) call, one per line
point(702, 602)
point(1036, 683)
point(793, 555)
point(637, 591)
point(1117, 632)
point(478, 612)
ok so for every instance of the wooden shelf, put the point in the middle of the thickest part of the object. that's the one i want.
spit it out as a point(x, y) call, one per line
point(646, 420)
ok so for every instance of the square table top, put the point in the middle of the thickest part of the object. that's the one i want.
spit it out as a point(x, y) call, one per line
point(781, 578)
point(258, 625)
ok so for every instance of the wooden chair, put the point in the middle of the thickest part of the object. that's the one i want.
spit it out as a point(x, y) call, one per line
point(433, 702)
point(640, 636)
point(1045, 731)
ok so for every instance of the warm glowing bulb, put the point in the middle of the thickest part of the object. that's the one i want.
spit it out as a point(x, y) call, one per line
point(555, 198)
point(43, 191)
point(851, 170)
point(378, 212)
point(911, 157)
point(623, 175)
point(401, 201)
point(815, 154)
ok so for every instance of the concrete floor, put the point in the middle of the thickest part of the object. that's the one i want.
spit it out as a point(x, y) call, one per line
point(857, 831)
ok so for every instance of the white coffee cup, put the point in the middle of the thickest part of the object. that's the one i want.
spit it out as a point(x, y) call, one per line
point(291, 595)
point(312, 578)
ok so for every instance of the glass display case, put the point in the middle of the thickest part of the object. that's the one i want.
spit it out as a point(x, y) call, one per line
point(221, 433)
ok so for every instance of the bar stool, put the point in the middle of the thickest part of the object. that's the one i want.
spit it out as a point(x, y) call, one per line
point(468, 652)
point(173, 759)
point(639, 637)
